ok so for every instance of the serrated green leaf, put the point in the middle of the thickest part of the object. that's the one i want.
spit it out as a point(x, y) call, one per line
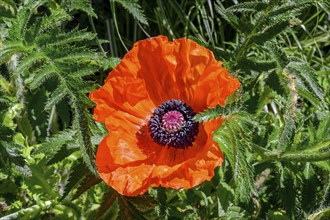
point(40, 76)
point(289, 7)
point(60, 155)
point(81, 123)
point(10, 49)
point(57, 96)
point(287, 132)
point(65, 38)
point(54, 20)
point(78, 172)
point(218, 111)
point(9, 151)
point(325, 165)
point(111, 63)
point(269, 32)
point(228, 137)
point(257, 65)
point(89, 181)
point(229, 16)
point(320, 214)
point(307, 84)
point(32, 58)
point(276, 53)
point(54, 143)
point(82, 5)
point(23, 16)
point(110, 198)
point(248, 7)
point(134, 9)
point(137, 207)
point(323, 130)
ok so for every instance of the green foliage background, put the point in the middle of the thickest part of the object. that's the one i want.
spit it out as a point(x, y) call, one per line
point(276, 137)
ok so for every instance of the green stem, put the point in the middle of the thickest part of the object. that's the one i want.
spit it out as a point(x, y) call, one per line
point(94, 30)
point(112, 5)
point(322, 214)
point(24, 212)
point(299, 157)
point(318, 147)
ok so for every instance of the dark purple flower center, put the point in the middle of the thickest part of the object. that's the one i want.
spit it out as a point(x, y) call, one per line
point(171, 124)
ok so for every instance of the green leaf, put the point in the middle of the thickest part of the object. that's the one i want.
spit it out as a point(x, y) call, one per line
point(11, 48)
point(289, 7)
point(265, 98)
point(276, 53)
point(54, 144)
point(309, 191)
point(40, 76)
point(134, 9)
point(65, 38)
point(206, 22)
point(218, 111)
point(60, 155)
point(81, 123)
point(20, 23)
point(82, 5)
point(54, 20)
point(248, 7)
point(89, 181)
point(307, 84)
point(323, 130)
point(230, 17)
point(287, 190)
point(57, 96)
point(287, 131)
point(226, 195)
point(257, 65)
point(78, 172)
point(229, 138)
point(25, 63)
point(110, 199)
point(269, 32)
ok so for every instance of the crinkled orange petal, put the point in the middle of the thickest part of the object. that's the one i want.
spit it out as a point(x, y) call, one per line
point(182, 69)
point(168, 167)
point(124, 94)
point(153, 71)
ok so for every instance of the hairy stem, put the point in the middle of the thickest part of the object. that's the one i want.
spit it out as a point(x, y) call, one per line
point(301, 157)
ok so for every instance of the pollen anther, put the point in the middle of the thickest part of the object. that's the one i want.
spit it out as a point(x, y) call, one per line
point(171, 124)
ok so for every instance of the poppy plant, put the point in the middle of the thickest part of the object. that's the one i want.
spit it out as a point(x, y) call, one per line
point(148, 103)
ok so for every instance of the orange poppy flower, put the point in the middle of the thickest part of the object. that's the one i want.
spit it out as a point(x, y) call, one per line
point(147, 104)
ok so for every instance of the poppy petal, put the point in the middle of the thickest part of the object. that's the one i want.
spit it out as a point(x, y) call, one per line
point(122, 94)
point(163, 166)
point(182, 69)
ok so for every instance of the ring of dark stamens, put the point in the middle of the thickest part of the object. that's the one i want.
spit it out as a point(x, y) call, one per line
point(182, 136)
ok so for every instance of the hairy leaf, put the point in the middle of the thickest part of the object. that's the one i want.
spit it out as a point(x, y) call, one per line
point(229, 138)
point(134, 8)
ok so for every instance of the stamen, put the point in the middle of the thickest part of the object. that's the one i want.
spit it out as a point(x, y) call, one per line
point(171, 124)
